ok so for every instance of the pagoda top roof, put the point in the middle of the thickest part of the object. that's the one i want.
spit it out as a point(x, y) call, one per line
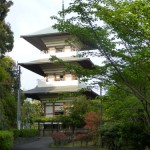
point(36, 38)
point(36, 65)
point(47, 92)
point(49, 30)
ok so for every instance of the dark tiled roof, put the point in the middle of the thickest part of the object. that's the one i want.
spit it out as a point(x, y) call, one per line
point(36, 65)
point(48, 92)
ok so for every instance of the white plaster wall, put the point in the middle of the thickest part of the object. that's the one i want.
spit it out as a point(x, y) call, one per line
point(68, 77)
point(66, 53)
point(42, 83)
point(50, 78)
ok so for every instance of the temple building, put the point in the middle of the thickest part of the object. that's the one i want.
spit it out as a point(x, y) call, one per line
point(56, 79)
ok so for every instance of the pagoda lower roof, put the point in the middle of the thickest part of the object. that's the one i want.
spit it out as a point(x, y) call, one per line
point(48, 92)
point(36, 65)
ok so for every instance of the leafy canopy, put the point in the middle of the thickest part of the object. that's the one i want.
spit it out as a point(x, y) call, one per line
point(119, 30)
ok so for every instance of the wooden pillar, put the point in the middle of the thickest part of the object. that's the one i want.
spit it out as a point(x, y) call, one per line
point(46, 77)
point(52, 127)
point(43, 130)
point(53, 106)
point(44, 109)
point(54, 76)
point(64, 76)
point(39, 128)
point(73, 75)
point(57, 126)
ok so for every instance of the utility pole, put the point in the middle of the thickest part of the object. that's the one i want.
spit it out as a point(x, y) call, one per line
point(101, 109)
point(101, 112)
point(18, 103)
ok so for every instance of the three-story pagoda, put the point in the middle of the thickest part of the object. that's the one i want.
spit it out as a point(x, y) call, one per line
point(56, 80)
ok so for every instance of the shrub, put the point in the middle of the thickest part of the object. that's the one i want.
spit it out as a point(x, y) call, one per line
point(16, 133)
point(83, 137)
point(6, 140)
point(125, 136)
point(92, 121)
point(28, 132)
point(69, 136)
point(59, 138)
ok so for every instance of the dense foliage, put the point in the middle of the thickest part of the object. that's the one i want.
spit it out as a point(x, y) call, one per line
point(6, 140)
point(123, 125)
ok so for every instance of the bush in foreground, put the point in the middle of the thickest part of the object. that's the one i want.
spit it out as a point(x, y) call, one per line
point(6, 140)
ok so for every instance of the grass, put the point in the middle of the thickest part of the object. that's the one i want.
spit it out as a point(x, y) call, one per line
point(78, 144)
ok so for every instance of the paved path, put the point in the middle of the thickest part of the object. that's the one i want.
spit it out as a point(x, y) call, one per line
point(42, 144)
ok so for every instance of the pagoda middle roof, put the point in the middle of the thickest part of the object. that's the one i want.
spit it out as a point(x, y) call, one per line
point(36, 65)
point(47, 92)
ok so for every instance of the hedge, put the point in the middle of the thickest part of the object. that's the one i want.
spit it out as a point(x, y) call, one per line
point(6, 140)
point(16, 133)
point(28, 132)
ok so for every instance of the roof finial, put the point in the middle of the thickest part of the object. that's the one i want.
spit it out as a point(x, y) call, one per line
point(63, 7)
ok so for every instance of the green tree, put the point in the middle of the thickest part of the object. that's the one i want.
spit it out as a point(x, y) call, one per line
point(8, 92)
point(76, 111)
point(29, 112)
point(8, 73)
point(124, 121)
point(6, 35)
point(119, 30)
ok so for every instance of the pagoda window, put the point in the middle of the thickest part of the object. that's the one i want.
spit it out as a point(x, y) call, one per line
point(59, 109)
point(60, 49)
point(59, 77)
point(73, 48)
point(52, 50)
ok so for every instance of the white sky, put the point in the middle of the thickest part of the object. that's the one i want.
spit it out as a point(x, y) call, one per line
point(28, 16)
point(25, 17)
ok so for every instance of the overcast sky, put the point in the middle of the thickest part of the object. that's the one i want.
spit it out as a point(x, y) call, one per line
point(25, 17)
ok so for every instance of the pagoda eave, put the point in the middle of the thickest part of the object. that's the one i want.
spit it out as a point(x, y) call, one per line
point(40, 93)
point(37, 41)
point(36, 66)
